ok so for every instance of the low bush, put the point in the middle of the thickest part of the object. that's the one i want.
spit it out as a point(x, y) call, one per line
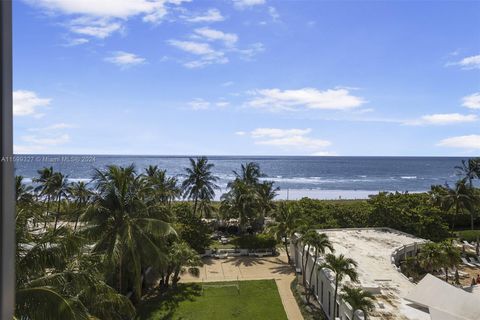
point(261, 241)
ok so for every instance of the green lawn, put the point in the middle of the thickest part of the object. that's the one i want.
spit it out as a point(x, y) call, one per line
point(255, 300)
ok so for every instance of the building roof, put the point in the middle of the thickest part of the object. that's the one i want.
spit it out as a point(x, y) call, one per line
point(445, 301)
point(372, 250)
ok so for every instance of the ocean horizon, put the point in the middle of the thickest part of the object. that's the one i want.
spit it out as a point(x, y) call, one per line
point(318, 177)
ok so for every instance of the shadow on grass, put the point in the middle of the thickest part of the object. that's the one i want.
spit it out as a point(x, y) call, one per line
point(166, 302)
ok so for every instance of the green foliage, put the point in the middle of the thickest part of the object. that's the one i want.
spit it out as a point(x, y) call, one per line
point(469, 235)
point(261, 241)
point(191, 228)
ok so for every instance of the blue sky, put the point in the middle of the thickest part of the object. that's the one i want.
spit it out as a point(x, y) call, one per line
point(247, 77)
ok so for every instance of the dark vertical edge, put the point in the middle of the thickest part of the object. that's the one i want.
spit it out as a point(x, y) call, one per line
point(7, 188)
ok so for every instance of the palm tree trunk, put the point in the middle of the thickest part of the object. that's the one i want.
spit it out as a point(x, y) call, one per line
point(335, 297)
point(446, 274)
point(304, 272)
point(285, 243)
point(120, 275)
point(78, 216)
point(195, 200)
point(57, 215)
point(46, 214)
point(311, 274)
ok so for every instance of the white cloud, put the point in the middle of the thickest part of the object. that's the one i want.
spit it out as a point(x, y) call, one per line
point(252, 50)
point(273, 14)
point(242, 4)
point(41, 143)
point(199, 104)
point(229, 39)
point(125, 59)
point(278, 133)
point(311, 98)
point(472, 101)
point(212, 15)
point(240, 133)
point(75, 42)
point(291, 140)
point(95, 27)
point(122, 9)
point(464, 142)
point(101, 18)
point(472, 62)
point(222, 104)
point(47, 140)
point(206, 53)
point(26, 103)
point(324, 154)
point(443, 119)
point(53, 127)
point(228, 84)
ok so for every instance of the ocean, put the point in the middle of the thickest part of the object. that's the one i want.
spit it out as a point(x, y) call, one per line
point(297, 177)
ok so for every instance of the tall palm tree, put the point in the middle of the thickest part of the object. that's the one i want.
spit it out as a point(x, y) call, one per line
point(250, 173)
point(81, 195)
point(342, 267)
point(266, 194)
point(59, 186)
point(44, 188)
point(164, 189)
point(200, 181)
point(320, 243)
point(469, 170)
point(458, 199)
point(286, 223)
point(241, 201)
point(306, 240)
point(358, 299)
point(124, 228)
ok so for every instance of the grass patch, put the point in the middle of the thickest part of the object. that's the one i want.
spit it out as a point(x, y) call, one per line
point(469, 235)
point(256, 300)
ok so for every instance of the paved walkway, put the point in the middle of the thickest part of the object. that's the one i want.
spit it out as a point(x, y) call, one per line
point(248, 268)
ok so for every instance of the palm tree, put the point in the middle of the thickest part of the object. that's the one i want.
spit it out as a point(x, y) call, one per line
point(306, 240)
point(23, 192)
point(341, 266)
point(250, 173)
point(459, 199)
point(182, 257)
point(200, 182)
point(469, 170)
point(48, 286)
point(285, 226)
point(124, 228)
point(320, 243)
point(266, 194)
point(59, 187)
point(164, 188)
point(358, 299)
point(240, 201)
point(451, 257)
point(81, 194)
point(44, 188)
point(431, 257)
